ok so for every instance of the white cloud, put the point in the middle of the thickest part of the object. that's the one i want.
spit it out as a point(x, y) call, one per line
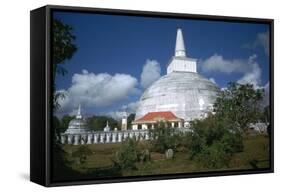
point(220, 64)
point(97, 90)
point(118, 114)
point(130, 107)
point(151, 72)
point(249, 68)
point(262, 40)
point(254, 75)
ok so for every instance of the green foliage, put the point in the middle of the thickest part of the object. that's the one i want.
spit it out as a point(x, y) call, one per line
point(61, 125)
point(213, 143)
point(160, 136)
point(130, 119)
point(97, 123)
point(266, 114)
point(61, 165)
point(232, 142)
point(63, 49)
point(63, 45)
point(144, 156)
point(82, 153)
point(240, 105)
point(56, 125)
point(214, 156)
point(216, 138)
point(127, 156)
point(65, 122)
point(166, 138)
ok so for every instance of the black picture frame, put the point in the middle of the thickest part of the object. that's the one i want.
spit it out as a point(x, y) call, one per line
point(41, 93)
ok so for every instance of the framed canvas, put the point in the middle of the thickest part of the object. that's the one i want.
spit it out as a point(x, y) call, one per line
point(120, 95)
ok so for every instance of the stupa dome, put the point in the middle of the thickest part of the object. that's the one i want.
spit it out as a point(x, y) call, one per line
point(187, 94)
point(78, 124)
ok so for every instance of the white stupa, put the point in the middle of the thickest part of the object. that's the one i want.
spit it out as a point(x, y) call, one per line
point(181, 91)
point(107, 127)
point(78, 124)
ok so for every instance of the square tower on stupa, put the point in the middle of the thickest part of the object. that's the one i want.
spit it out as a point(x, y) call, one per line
point(180, 62)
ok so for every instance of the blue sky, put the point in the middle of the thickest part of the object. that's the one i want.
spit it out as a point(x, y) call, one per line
point(111, 45)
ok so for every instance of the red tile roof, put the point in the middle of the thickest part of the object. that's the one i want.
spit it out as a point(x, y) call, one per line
point(154, 116)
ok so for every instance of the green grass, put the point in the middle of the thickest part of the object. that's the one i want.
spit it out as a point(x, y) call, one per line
point(255, 155)
point(179, 164)
point(256, 148)
point(102, 155)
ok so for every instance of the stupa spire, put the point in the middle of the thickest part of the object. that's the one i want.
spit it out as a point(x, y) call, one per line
point(180, 48)
point(79, 112)
point(180, 62)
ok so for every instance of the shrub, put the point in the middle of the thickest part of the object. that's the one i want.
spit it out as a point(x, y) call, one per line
point(82, 154)
point(144, 156)
point(127, 156)
point(165, 138)
point(213, 142)
point(214, 156)
point(232, 142)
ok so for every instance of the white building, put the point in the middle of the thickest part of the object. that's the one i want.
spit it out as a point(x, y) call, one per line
point(124, 121)
point(78, 124)
point(152, 119)
point(182, 91)
point(107, 127)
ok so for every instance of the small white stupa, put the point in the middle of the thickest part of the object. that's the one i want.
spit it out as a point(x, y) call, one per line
point(107, 127)
point(78, 124)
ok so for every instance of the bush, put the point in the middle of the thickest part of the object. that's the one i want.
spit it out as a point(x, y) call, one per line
point(144, 156)
point(82, 154)
point(232, 143)
point(214, 156)
point(127, 156)
point(213, 142)
point(165, 138)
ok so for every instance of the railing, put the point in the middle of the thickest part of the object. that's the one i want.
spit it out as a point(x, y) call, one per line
point(96, 137)
point(104, 137)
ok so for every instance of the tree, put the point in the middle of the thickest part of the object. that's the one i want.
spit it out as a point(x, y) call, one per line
point(266, 114)
point(97, 123)
point(127, 156)
point(61, 164)
point(130, 119)
point(63, 46)
point(240, 105)
point(216, 138)
point(213, 142)
point(63, 49)
point(165, 138)
point(65, 122)
point(214, 156)
point(56, 125)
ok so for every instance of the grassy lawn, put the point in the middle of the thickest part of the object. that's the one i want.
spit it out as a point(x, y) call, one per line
point(102, 155)
point(256, 151)
point(255, 155)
